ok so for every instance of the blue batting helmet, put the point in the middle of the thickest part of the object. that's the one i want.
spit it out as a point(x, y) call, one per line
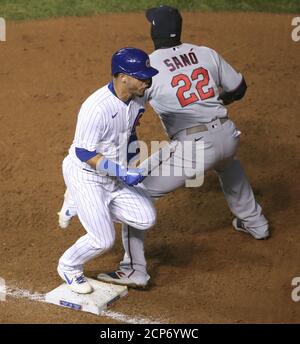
point(134, 62)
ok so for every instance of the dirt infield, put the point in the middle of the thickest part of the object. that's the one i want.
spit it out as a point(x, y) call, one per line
point(202, 270)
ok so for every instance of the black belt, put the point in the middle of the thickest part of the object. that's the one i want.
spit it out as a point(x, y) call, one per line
point(203, 127)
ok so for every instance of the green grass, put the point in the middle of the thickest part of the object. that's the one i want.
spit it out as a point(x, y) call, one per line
point(32, 9)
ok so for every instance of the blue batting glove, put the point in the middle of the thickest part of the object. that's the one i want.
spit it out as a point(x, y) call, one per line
point(130, 176)
point(133, 176)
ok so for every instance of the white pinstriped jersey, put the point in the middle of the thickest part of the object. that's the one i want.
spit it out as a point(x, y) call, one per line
point(101, 120)
point(185, 92)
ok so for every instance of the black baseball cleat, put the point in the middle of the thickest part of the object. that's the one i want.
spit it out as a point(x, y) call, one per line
point(256, 232)
point(132, 278)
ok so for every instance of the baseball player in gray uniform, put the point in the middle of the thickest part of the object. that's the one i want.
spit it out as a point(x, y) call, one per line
point(99, 183)
point(189, 95)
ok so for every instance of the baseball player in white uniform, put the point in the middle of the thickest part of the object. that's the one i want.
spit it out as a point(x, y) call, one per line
point(98, 181)
point(189, 95)
point(186, 97)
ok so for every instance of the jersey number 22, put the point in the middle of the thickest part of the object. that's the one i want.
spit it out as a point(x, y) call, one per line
point(185, 99)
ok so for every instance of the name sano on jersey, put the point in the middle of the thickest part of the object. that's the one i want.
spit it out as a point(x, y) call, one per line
point(183, 60)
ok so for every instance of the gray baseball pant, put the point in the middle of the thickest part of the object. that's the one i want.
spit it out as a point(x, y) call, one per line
point(219, 146)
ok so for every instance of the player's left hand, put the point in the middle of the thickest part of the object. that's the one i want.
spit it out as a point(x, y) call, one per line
point(133, 176)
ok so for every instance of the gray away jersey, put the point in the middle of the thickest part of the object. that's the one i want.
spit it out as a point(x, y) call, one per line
point(185, 92)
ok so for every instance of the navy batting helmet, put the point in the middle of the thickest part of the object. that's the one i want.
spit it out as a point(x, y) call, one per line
point(134, 62)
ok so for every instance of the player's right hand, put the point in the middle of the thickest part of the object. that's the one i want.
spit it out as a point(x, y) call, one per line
point(133, 176)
